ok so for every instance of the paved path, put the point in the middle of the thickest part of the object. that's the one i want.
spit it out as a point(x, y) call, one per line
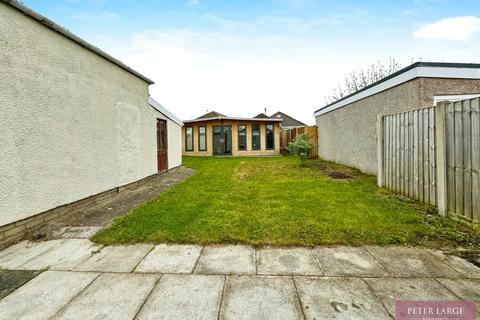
point(103, 213)
point(84, 280)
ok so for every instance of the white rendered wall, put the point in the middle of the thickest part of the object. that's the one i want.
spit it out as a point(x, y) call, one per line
point(174, 144)
point(72, 124)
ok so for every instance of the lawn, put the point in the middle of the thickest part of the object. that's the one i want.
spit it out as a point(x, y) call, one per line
point(274, 201)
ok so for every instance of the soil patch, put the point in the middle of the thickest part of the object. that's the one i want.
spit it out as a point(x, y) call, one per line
point(336, 174)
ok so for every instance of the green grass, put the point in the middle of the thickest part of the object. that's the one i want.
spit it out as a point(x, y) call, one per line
point(274, 201)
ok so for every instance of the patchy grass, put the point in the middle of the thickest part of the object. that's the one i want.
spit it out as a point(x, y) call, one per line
point(274, 201)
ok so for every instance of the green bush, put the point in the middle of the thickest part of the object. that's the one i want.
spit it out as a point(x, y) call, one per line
point(301, 147)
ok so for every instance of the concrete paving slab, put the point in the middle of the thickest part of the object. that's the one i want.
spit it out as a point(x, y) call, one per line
point(253, 297)
point(170, 259)
point(391, 289)
point(115, 258)
point(411, 262)
point(227, 260)
point(26, 252)
point(466, 268)
point(65, 256)
point(44, 295)
point(338, 298)
point(184, 297)
point(276, 261)
point(75, 232)
point(115, 296)
point(14, 248)
point(348, 261)
point(465, 289)
point(13, 279)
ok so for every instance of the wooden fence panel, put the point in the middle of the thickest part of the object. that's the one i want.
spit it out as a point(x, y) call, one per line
point(410, 156)
point(463, 135)
point(289, 135)
point(475, 154)
point(408, 149)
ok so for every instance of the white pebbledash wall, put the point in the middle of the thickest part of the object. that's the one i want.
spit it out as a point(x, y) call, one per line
point(72, 123)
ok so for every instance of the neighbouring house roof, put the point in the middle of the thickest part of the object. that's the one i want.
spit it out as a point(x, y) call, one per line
point(416, 70)
point(223, 117)
point(287, 120)
point(261, 116)
point(59, 29)
point(211, 114)
point(157, 106)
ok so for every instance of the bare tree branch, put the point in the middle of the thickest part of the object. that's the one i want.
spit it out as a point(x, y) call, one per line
point(357, 81)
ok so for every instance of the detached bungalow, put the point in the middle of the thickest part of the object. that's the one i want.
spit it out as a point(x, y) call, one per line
point(217, 134)
point(347, 127)
point(76, 123)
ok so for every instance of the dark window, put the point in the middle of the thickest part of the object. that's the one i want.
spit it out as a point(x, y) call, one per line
point(202, 138)
point(269, 136)
point(189, 138)
point(255, 136)
point(242, 137)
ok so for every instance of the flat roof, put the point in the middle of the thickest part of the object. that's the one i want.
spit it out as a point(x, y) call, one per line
point(57, 28)
point(416, 70)
point(234, 118)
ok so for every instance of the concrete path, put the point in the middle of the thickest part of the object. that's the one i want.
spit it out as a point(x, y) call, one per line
point(103, 213)
point(83, 280)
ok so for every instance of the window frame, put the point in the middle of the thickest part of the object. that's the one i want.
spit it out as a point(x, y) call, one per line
point(259, 137)
point(273, 136)
point(186, 140)
point(199, 137)
point(238, 137)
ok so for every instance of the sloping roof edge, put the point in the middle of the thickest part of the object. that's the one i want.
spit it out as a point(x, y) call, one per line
point(57, 28)
point(157, 106)
point(415, 70)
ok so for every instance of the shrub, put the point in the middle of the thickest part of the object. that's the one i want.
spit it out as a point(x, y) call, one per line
point(301, 147)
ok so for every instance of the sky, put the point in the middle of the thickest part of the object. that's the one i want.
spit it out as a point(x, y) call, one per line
point(240, 57)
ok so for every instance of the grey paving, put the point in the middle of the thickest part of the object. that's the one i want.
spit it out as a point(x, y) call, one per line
point(65, 256)
point(227, 260)
point(170, 259)
point(75, 232)
point(391, 289)
point(25, 252)
point(348, 261)
point(103, 213)
point(289, 261)
point(110, 296)
point(338, 298)
point(42, 297)
point(13, 279)
point(115, 258)
point(358, 287)
point(184, 297)
point(247, 297)
point(466, 268)
point(465, 289)
point(14, 248)
point(411, 262)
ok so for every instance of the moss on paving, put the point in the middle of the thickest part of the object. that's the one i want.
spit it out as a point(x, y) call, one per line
point(274, 201)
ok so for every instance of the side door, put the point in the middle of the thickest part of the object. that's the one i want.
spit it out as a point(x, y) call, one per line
point(162, 145)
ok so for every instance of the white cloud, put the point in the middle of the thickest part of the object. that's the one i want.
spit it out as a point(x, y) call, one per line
point(230, 73)
point(454, 29)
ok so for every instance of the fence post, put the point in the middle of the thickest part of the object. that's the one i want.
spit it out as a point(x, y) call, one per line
point(441, 157)
point(380, 160)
